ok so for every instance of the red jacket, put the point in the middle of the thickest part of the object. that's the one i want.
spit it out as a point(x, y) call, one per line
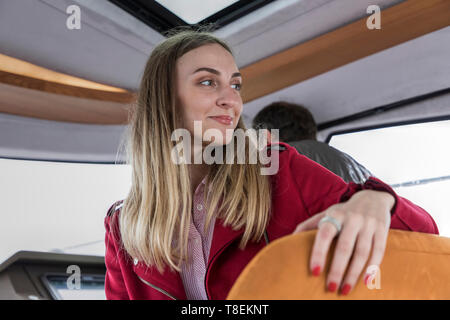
point(301, 188)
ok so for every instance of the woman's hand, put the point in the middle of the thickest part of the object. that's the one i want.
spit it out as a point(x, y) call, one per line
point(365, 220)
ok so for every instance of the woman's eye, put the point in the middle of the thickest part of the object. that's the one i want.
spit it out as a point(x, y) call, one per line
point(238, 86)
point(210, 81)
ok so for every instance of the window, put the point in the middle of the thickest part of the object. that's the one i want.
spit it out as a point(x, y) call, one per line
point(163, 15)
point(194, 11)
point(57, 206)
point(413, 158)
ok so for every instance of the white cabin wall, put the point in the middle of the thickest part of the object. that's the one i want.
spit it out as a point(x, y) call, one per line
point(37, 139)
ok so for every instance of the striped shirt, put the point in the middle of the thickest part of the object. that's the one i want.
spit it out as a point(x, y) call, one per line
point(193, 272)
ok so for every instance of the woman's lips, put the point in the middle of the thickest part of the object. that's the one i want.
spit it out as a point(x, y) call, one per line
point(223, 119)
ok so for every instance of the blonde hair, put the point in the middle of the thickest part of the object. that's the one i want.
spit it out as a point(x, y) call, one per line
point(155, 217)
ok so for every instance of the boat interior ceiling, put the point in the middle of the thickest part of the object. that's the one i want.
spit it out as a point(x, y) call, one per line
point(66, 94)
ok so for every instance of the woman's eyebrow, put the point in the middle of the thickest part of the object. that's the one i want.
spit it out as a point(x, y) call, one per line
point(211, 70)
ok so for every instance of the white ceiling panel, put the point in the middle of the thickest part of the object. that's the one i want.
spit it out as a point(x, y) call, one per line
point(112, 47)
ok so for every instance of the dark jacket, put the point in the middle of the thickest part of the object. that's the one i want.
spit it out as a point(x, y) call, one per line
point(334, 160)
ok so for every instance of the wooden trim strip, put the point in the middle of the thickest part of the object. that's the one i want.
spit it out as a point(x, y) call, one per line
point(17, 100)
point(64, 89)
point(24, 68)
point(400, 23)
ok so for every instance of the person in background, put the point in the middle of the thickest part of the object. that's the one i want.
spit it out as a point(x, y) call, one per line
point(297, 128)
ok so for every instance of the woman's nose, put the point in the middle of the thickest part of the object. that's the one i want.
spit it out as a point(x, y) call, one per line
point(228, 98)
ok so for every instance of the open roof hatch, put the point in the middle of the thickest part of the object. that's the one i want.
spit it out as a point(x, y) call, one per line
point(165, 15)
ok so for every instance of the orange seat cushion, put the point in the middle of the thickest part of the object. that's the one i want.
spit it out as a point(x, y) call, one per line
point(415, 266)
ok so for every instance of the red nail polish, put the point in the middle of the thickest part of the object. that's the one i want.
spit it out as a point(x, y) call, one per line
point(332, 286)
point(316, 271)
point(366, 279)
point(346, 289)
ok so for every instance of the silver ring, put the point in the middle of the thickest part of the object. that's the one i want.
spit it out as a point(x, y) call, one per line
point(332, 220)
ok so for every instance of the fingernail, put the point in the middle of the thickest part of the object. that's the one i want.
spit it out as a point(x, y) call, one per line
point(332, 286)
point(366, 279)
point(316, 271)
point(346, 289)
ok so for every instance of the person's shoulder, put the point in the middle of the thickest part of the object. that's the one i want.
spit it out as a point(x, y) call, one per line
point(286, 151)
point(281, 149)
point(115, 208)
point(112, 220)
point(287, 155)
point(280, 146)
point(318, 150)
point(296, 163)
point(311, 146)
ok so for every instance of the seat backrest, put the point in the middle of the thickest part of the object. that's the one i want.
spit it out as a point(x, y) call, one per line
point(415, 266)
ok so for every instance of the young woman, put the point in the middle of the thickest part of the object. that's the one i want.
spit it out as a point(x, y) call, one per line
point(186, 231)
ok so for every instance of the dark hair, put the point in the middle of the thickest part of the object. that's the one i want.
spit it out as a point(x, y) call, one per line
point(294, 121)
